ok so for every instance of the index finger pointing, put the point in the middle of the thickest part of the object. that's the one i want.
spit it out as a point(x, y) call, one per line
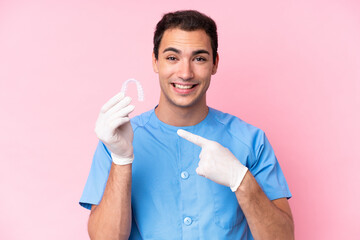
point(200, 141)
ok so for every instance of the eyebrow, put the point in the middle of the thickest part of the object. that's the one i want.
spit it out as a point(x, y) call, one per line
point(171, 49)
point(200, 51)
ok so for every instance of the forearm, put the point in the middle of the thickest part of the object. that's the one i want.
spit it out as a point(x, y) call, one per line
point(265, 219)
point(111, 219)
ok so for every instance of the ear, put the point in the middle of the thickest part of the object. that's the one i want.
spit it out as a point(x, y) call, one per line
point(214, 69)
point(154, 63)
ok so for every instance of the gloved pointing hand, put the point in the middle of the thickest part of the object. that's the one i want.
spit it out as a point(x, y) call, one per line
point(113, 128)
point(217, 163)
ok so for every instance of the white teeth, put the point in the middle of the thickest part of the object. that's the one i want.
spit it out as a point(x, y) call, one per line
point(183, 86)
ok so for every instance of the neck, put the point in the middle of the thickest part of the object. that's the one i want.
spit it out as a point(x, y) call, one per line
point(182, 116)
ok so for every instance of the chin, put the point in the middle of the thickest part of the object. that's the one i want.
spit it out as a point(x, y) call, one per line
point(183, 101)
point(186, 104)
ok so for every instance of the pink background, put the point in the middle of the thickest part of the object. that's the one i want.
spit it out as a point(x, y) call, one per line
point(291, 68)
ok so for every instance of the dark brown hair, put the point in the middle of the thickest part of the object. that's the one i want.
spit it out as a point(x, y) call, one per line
point(188, 20)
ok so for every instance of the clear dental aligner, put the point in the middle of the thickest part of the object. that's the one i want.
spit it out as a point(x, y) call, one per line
point(140, 90)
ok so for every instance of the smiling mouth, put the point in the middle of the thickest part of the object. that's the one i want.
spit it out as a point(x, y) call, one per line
point(180, 86)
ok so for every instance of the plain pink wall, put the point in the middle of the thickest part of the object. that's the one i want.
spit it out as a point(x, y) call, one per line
point(291, 68)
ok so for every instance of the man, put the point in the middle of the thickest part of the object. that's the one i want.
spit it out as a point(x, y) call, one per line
point(153, 179)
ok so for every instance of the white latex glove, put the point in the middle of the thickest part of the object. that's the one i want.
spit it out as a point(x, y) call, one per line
point(113, 128)
point(216, 163)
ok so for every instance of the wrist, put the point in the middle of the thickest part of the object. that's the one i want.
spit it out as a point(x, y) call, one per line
point(248, 190)
point(119, 160)
point(238, 176)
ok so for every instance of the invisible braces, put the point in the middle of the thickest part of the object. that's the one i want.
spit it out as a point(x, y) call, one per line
point(140, 90)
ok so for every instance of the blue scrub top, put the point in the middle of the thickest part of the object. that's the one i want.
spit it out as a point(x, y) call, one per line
point(169, 200)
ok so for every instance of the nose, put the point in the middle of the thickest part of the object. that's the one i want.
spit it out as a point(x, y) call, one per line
point(185, 71)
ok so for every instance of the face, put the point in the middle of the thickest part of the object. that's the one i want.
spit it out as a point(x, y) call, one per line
point(185, 65)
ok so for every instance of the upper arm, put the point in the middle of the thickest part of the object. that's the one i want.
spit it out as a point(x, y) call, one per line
point(93, 207)
point(283, 205)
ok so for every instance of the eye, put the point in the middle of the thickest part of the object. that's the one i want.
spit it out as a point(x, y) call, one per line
point(171, 58)
point(200, 59)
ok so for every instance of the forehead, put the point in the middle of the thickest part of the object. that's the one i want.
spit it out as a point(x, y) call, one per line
point(183, 40)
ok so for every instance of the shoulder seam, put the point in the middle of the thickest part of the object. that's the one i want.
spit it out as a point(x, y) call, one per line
point(236, 137)
point(143, 125)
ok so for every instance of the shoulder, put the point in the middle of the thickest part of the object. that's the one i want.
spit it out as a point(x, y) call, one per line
point(141, 120)
point(244, 132)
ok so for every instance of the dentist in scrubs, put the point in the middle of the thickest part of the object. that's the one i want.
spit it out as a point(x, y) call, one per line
point(184, 170)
